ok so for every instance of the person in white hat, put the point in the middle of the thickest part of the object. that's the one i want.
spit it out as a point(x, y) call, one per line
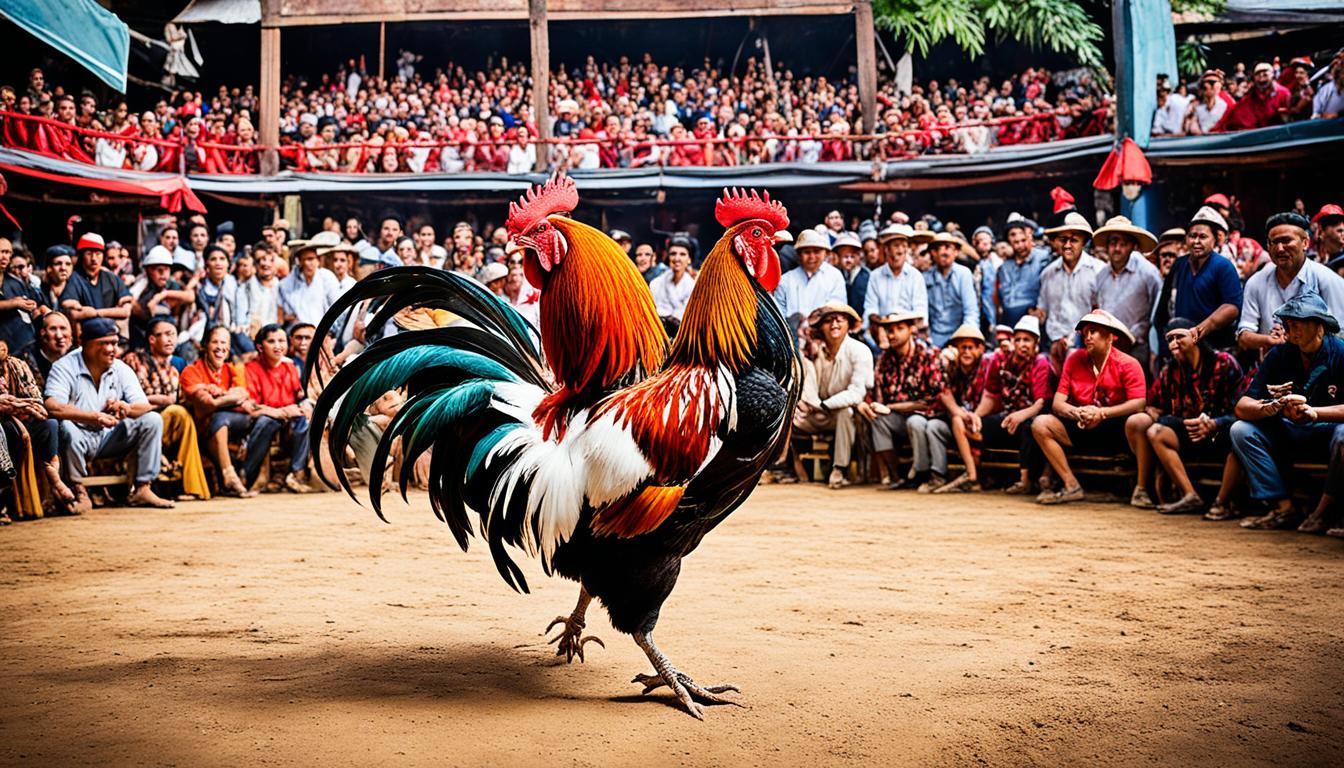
point(848, 252)
point(1129, 288)
point(907, 384)
point(1016, 391)
point(156, 293)
point(310, 289)
point(1205, 289)
point(895, 287)
point(812, 283)
point(493, 275)
point(672, 289)
point(1066, 285)
point(1099, 389)
point(951, 290)
point(833, 384)
point(963, 390)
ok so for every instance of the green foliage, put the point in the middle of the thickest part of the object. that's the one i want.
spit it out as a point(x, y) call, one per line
point(1203, 7)
point(1192, 57)
point(1060, 25)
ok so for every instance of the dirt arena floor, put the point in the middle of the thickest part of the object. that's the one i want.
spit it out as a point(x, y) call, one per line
point(864, 627)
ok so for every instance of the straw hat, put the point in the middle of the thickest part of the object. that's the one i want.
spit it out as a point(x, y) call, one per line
point(893, 231)
point(967, 331)
point(1073, 222)
point(847, 238)
point(836, 308)
point(899, 317)
point(1119, 225)
point(492, 272)
point(1212, 218)
point(1173, 235)
point(324, 239)
point(811, 238)
point(920, 236)
point(1106, 320)
point(1028, 324)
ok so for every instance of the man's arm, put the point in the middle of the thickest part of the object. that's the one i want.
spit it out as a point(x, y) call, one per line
point(1222, 317)
point(1250, 409)
point(1125, 409)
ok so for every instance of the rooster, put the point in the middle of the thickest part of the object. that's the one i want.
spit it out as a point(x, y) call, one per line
point(634, 481)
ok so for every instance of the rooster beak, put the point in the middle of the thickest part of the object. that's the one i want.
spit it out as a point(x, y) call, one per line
point(783, 236)
point(512, 248)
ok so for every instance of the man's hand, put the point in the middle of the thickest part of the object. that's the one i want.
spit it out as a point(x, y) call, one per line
point(1088, 416)
point(971, 421)
point(106, 420)
point(1200, 428)
point(1011, 422)
point(117, 409)
point(1277, 336)
point(866, 411)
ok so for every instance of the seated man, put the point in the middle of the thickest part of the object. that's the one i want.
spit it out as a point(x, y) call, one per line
point(104, 414)
point(1188, 416)
point(908, 381)
point(1100, 387)
point(1294, 408)
point(54, 339)
point(963, 390)
point(217, 391)
point(278, 405)
point(1017, 385)
point(834, 383)
point(157, 370)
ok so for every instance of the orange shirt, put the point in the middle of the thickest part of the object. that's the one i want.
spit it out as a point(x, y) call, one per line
point(276, 386)
point(197, 375)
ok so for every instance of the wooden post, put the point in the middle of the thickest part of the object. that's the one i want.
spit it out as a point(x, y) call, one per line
point(382, 47)
point(541, 77)
point(864, 37)
point(269, 113)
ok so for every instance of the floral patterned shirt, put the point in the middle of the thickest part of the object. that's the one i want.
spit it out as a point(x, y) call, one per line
point(1213, 389)
point(966, 387)
point(916, 376)
point(154, 378)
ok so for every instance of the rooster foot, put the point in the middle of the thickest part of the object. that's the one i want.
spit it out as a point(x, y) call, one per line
point(569, 643)
point(687, 691)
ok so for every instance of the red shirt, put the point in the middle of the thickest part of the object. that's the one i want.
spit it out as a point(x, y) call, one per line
point(1121, 379)
point(1018, 385)
point(276, 387)
point(1256, 110)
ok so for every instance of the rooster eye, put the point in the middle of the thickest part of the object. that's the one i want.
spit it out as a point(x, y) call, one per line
point(756, 232)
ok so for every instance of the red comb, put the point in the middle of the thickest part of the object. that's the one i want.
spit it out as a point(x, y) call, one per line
point(558, 195)
point(737, 206)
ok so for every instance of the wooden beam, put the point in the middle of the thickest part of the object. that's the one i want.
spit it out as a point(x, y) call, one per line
point(541, 76)
point(517, 10)
point(865, 37)
point(269, 113)
point(382, 47)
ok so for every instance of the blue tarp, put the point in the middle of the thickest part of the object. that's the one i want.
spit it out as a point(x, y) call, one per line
point(81, 29)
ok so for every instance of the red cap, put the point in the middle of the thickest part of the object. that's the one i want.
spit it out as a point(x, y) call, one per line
point(91, 241)
point(1062, 199)
point(1218, 199)
point(1330, 211)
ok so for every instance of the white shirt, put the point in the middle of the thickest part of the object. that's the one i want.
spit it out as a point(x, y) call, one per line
point(799, 294)
point(1207, 118)
point(1067, 296)
point(888, 293)
point(1262, 294)
point(308, 300)
point(1168, 118)
point(1130, 295)
point(257, 303)
point(522, 159)
point(110, 153)
point(838, 383)
point(669, 297)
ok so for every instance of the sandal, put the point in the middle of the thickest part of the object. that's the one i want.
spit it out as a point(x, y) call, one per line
point(961, 484)
point(837, 480)
point(1221, 511)
point(1020, 488)
point(1062, 496)
point(1184, 505)
point(4, 518)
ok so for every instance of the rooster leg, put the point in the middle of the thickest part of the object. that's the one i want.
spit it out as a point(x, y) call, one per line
point(571, 639)
point(686, 689)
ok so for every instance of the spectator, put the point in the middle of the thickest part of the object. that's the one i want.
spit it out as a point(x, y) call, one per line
point(1130, 287)
point(1099, 389)
point(218, 297)
point(1017, 387)
point(1017, 281)
point(493, 276)
point(156, 294)
point(60, 291)
point(279, 406)
point(907, 384)
point(672, 290)
point(217, 392)
point(1329, 100)
point(1188, 416)
point(1067, 284)
point(849, 260)
point(1298, 417)
point(646, 261)
point(951, 291)
point(301, 340)
point(20, 302)
point(1171, 109)
point(1293, 275)
point(104, 414)
point(310, 288)
point(1208, 108)
point(963, 390)
point(1265, 104)
point(893, 289)
point(158, 371)
point(54, 339)
point(812, 283)
point(258, 298)
point(1201, 287)
point(833, 384)
point(1170, 247)
point(431, 253)
point(21, 403)
point(1329, 222)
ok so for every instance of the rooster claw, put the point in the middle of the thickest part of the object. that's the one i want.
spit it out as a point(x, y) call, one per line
point(689, 691)
point(571, 639)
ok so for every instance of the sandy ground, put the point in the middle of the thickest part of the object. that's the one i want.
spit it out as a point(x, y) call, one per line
point(864, 627)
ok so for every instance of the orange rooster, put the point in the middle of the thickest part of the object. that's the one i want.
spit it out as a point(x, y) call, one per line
point(634, 481)
point(599, 328)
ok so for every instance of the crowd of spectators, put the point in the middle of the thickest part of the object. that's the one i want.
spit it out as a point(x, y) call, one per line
point(177, 369)
point(628, 114)
point(1193, 347)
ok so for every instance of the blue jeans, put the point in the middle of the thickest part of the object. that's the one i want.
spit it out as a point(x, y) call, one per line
point(142, 436)
point(1266, 449)
point(264, 429)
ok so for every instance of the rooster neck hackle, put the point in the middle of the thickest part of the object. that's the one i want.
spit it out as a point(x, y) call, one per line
point(718, 327)
point(598, 320)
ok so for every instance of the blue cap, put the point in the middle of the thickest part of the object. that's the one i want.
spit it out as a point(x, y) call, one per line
point(58, 250)
point(1308, 306)
point(97, 328)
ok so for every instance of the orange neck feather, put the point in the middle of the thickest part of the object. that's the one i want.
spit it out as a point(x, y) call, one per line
point(598, 321)
point(719, 325)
